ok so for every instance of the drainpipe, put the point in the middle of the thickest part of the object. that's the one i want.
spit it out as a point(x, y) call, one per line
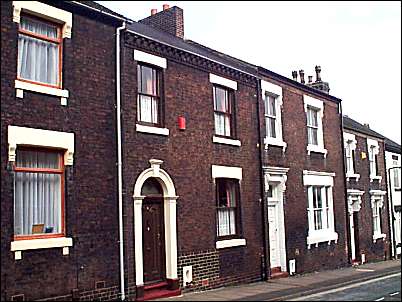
point(119, 160)
point(347, 229)
point(265, 269)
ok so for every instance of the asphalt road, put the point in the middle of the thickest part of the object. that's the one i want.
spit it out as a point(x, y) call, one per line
point(386, 288)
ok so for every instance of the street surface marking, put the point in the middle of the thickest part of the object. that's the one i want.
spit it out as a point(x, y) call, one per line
point(346, 287)
point(380, 299)
point(364, 270)
point(394, 294)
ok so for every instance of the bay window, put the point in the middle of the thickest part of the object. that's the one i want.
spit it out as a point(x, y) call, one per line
point(38, 193)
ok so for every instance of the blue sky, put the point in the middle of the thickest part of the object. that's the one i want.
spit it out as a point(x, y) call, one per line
point(357, 45)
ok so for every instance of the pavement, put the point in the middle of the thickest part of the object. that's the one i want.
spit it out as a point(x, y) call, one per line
point(292, 287)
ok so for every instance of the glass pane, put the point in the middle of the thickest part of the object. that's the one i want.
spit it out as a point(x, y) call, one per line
point(151, 187)
point(312, 119)
point(221, 99)
point(226, 224)
point(219, 124)
point(148, 81)
point(37, 203)
point(38, 27)
point(38, 60)
point(227, 126)
point(271, 106)
point(271, 127)
point(148, 111)
point(312, 134)
point(37, 159)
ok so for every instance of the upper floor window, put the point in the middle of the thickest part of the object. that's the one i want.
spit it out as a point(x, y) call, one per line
point(312, 126)
point(38, 194)
point(223, 111)
point(373, 151)
point(270, 116)
point(39, 51)
point(349, 144)
point(377, 202)
point(397, 171)
point(314, 109)
point(149, 95)
point(227, 205)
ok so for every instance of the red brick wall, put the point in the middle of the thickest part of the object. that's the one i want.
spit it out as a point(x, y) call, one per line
point(91, 205)
point(296, 159)
point(380, 249)
point(188, 156)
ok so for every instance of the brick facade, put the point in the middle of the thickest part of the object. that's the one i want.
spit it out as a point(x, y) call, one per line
point(91, 213)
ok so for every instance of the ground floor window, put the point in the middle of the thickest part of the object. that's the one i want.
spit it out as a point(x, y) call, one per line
point(227, 205)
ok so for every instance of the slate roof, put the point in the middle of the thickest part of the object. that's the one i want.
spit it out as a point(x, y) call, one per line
point(102, 8)
point(351, 124)
point(392, 146)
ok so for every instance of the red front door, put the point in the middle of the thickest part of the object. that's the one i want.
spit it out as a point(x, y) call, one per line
point(153, 240)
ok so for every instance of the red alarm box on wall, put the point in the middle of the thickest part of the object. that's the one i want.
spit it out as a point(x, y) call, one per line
point(182, 122)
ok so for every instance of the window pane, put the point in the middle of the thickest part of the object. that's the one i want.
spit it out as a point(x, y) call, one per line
point(226, 206)
point(312, 134)
point(37, 159)
point(148, 109)
point(37, 201)
point(271, 106)
point(221, 100)
point(38, 60)
point(219, 124)
point(396, 178)
point(271, 127)
point(226, 222)
point(38, 27)
point(312, 119)
point(148, 81)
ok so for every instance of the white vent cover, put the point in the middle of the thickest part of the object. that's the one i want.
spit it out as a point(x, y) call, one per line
point(292, 266)
point(187, 275)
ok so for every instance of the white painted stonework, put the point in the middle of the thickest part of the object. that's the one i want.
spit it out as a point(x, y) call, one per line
point(221, 244)
point(44, 11)
point(45, 243)
point(316, 178)
point(226, 172)
point(226, 141)
point(149, 58)
point(21, 86)
point(40, 138)
point(213, 78)
point(170, 199)
point(152, 130)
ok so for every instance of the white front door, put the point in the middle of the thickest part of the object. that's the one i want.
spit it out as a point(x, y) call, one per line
point(352, 236)
point(275, 253)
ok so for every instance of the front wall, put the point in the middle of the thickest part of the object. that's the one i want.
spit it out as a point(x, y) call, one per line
point(91, 205)
point(295, 199)
point(188, 156)
point(380, 249)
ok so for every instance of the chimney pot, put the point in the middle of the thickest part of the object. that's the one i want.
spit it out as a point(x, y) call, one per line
point(367, 125)
point(294, 75)
point(165, 6)
point(317, 72)
point(301, 73)
point(310, 79)
point(153, 11)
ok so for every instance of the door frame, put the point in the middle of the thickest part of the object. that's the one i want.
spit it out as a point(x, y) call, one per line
point(277, 176)
point(169, 209)
point(354, 204)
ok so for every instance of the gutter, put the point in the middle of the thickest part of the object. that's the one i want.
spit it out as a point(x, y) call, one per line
point(119, 160)
point(101, 11)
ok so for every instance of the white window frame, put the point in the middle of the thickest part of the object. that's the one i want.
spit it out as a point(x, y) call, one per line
point(396, 173)
point(276, 92)
point(377, 201)
point(326, 181)
point(316, 104)
point(40, 138)
point(50, 13)
point(350, 144)
point(373, 149)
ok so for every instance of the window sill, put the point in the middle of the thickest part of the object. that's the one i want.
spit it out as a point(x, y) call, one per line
point(321, 236)
point(352, 175)
point(379, 236)
point(20, 86)
point(152, 130)
point(376, 177)
point(274, 142)
point(317, 149)
point(230, 243)
point(226, 141)
point(33, 244)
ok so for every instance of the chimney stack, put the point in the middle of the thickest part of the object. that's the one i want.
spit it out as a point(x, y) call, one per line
point(294, 75)
point(318, 84)
point(367, 125)
point(169, 20)
point(301, 73)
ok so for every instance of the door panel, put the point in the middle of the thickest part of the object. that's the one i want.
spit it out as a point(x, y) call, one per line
point(153, 240)
point(273, 236)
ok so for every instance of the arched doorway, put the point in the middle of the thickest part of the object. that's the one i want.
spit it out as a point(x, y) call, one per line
point(155, 231)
